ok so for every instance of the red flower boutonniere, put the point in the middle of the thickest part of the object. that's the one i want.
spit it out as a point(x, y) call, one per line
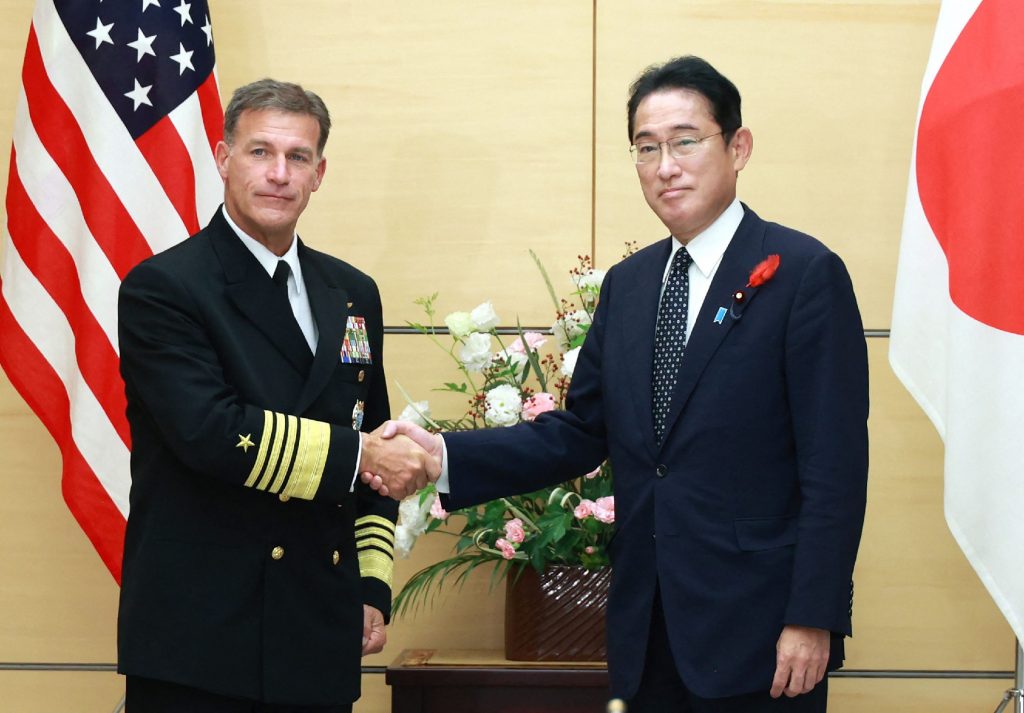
point(764, 271)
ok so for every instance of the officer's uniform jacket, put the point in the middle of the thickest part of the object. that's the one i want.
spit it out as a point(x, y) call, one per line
point(247, 559)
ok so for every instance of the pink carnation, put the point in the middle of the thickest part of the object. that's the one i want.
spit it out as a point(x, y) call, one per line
point(584, 510)
point(437, 511)
point(589, 549)
point(507, 550)
point(534, 340)
point(537, 404)
point(514, 530)
point(604, 509)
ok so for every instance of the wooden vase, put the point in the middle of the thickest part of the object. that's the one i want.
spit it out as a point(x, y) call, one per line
point(557, 615)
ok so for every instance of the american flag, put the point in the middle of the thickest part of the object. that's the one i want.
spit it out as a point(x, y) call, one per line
point(115, 126)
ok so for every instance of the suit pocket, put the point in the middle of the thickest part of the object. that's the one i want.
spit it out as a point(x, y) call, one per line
point(765, 533)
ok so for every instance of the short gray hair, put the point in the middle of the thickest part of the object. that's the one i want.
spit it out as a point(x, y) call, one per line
point(270, 94)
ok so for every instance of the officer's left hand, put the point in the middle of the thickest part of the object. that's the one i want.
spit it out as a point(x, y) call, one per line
point(375, 634)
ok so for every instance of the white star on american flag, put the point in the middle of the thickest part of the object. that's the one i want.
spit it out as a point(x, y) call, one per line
point(185, 10)
point(102, 33)
point(184, 59)
point(140, 95)
point(208, 30)
point(147, 3)
point(143, 45)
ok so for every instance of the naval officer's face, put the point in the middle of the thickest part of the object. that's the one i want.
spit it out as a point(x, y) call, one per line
point(687, 192)
point(269, 172)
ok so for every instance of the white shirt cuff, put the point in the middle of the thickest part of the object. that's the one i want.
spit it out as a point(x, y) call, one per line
point(442, 480)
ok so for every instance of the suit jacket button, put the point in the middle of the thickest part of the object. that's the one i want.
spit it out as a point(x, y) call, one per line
point(362, 375)
point(283, 498)
point(336, 557)
point(277, 553)
point(661, 470)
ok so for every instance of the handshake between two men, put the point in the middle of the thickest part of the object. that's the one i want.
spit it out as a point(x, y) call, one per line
point(400, 458)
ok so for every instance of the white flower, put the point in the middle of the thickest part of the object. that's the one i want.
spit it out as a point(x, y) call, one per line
point(569, 361)
point(476, 351)
point(412, 522)
point(590, 282)
point(484, 317)
point(504, 404)
point(516, 361)
point(404, 541)
point(459, 324)
point(412, 415)
point(571, 326)
point(589, 285)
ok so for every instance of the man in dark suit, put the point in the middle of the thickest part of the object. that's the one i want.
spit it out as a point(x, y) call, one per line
point(733, 407)
point(256, 569)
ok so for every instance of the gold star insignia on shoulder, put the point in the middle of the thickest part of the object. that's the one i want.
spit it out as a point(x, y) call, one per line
point(245, 442)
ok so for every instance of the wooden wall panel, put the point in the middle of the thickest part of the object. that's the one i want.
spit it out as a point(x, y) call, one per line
point(867, 695)
point(59, 691)
point(830, 91)
point(461, 136)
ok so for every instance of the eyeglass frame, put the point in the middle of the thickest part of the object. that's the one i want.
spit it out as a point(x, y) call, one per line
point(634, 153)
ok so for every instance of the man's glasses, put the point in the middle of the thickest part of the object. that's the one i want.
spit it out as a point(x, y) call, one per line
point(678, 147)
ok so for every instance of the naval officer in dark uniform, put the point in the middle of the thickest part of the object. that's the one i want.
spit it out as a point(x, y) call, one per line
point(257, 570)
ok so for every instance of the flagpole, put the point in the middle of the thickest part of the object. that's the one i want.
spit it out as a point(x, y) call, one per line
point(1015, 694)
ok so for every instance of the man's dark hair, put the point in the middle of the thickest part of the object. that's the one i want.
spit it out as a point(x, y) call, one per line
point(694, 74)
point(270, 94)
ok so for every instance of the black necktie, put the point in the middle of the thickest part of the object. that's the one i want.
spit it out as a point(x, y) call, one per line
point(670, 339)
point(280, 278)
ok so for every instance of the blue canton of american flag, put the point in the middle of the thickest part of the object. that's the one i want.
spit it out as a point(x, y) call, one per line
point(115, 129)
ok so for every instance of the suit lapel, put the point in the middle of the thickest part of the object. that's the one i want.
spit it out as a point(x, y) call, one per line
point(638, 336)
point(252, 291)
point(744, 252)
point(328, 304)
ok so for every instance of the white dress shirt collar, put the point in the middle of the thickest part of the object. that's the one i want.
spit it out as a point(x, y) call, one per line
point(268, 259)
point(708, 246)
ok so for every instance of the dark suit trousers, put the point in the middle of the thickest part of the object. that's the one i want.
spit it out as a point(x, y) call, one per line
point(145, 695)
point(662, 690)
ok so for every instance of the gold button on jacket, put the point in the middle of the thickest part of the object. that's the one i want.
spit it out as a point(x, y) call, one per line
point(277, 553)
point(336, 557)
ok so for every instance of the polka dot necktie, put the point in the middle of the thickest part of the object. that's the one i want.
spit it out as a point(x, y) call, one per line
point(670, 339)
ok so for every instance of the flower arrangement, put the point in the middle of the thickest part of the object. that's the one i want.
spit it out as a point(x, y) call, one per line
point(506, 383)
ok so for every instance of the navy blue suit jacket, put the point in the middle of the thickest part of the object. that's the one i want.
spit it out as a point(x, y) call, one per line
point(749, 514)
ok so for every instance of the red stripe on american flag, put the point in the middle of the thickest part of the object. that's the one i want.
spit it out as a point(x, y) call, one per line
point(170, 162)
point(52, 264)
point(45, 394)
point(108, 220)
point(213, 115)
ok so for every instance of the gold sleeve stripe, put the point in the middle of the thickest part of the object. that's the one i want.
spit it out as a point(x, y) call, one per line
point(291, 431)
point(374, 563)
point(261, 455)
point(380, 532)
point(307, 469)
point(388, 547)
point(367, 520)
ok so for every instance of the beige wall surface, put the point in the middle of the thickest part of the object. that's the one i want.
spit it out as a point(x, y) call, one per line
point(469, 131)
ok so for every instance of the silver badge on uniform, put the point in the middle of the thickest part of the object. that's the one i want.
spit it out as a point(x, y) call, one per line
point(357, 415)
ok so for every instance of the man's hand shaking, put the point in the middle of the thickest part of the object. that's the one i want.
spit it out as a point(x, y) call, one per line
point(399, 458)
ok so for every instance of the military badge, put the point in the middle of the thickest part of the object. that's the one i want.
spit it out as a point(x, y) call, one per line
point(357, 415)
point(355, 347)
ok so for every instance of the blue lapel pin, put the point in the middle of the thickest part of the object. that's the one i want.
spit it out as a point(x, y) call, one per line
point(722, 311)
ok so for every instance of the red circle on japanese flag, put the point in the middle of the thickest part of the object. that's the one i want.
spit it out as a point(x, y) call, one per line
point(970, 164)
